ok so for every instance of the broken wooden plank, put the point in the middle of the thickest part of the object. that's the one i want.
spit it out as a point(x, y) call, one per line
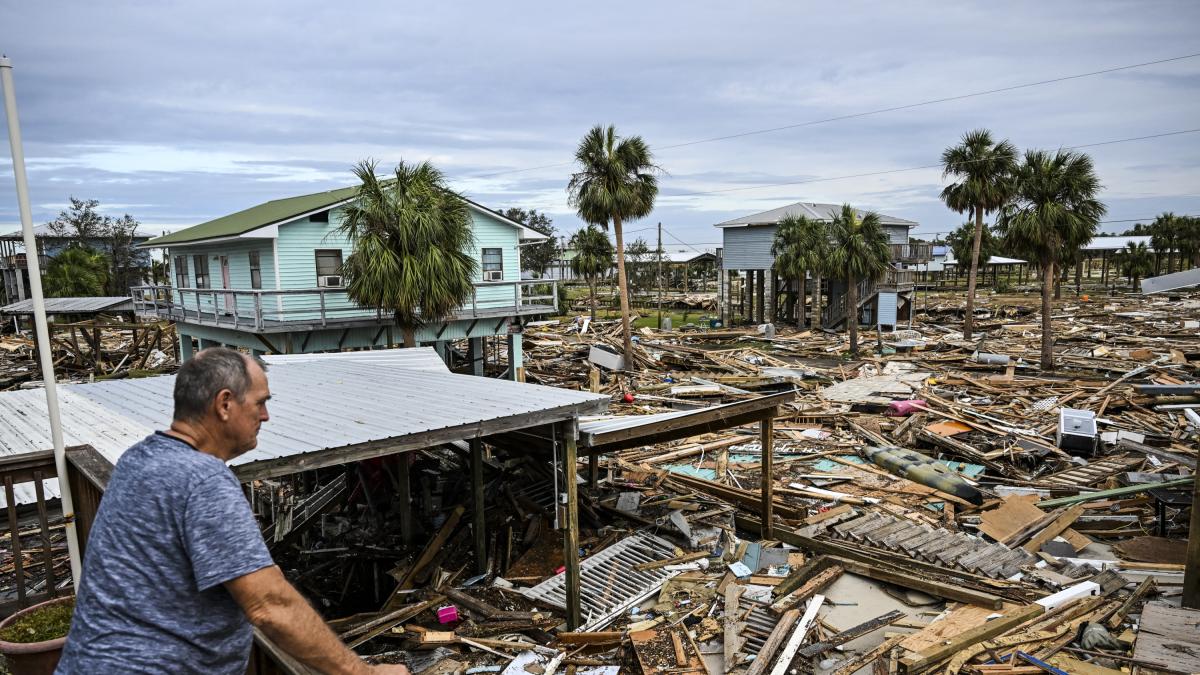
point(852, 633)
point(1054, 529)
point(809, 589)
point(793, 644)
point(914, 663)
point(866, 658)
point(780, 633)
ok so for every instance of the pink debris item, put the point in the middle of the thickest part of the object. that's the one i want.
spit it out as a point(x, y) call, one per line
point(904, 408)
point(447, 614)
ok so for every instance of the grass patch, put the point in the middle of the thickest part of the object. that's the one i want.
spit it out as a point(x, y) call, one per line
point(47, 623)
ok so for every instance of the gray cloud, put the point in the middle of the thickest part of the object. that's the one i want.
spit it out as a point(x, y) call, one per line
point(184, 112)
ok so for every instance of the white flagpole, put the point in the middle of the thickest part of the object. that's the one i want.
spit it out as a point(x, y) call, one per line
point(45, 356)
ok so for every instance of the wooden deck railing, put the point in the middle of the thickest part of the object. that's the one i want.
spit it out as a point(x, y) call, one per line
point(308, 308)
point(33, 562)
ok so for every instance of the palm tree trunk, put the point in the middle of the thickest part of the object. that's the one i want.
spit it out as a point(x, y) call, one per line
point(816, 293)
point(410, 337)
point(623, 286)
point(800, 304)
point(1048, 280)
point(592, 299)
point(852, 313)
point(972, 276)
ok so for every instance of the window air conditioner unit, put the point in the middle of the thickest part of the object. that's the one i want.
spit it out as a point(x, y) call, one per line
point(329, 282)
point(493, 275)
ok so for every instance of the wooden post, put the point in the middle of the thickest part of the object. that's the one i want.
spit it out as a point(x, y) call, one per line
point(567, 432)
point(404, 496)
point(760, 295)
point(478, 526)
point(594, 470)
point(767, 427)
point(1191, 570)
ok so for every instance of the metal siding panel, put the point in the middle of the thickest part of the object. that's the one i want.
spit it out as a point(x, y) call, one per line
point(896, 235)
point(887, 309)
point(748, 248)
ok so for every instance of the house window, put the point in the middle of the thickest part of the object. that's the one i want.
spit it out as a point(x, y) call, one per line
point(181, 272)
point(322, 217)
point(329, 262)
point(255, 270)
point(493, 264)
point(200, 262)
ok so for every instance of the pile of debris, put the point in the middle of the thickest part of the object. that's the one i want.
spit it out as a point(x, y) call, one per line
point(93, 349)
point(935, 507)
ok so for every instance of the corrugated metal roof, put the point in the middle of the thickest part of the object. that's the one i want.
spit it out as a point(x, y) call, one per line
point(318, 402)
point(824, 212)
point(73, 305)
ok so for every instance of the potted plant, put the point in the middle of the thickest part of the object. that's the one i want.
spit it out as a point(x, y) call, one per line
point(32, 639)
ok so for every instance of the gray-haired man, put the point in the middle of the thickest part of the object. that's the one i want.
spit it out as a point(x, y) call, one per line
point(176, 570)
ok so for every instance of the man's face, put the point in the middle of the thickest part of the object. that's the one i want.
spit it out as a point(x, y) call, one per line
point(245, 417)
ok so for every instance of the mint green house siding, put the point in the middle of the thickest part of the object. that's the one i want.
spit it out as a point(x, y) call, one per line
point(288, 262)
point(237, 254)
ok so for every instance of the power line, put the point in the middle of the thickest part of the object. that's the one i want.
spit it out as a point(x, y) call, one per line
point(912, 168)
point(878, 111)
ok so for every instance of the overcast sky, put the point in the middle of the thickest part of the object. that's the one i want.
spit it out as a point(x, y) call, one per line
point(177, 113)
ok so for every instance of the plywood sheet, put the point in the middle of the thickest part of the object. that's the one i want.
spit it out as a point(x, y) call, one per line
point(1018, 512)
point(1169, 636)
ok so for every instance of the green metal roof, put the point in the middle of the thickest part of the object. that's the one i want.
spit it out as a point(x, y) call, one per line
point(270, 213)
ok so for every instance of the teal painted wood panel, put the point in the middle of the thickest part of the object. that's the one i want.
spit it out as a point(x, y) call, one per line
point(238, 255)
point(299, 241)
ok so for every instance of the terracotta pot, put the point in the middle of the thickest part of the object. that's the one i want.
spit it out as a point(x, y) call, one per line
point(33, 658)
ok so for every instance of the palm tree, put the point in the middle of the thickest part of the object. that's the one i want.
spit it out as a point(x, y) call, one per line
point(984, 172)
point(593, 258)
point(1054, 209)
point(962, 243)
point(1188, 241)
point(860, 252)
point(1136, 261)
point(616, 182)
point(411, 235)
point(1164, 237)
point(76, 272)
point(800, 247)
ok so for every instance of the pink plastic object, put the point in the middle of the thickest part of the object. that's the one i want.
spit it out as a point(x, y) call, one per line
point(904, 408)
point(447, 614)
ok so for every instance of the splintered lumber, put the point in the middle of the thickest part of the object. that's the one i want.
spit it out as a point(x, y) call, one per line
point(826, 515)
point(1142, 590)
point(611, 637)
point(915, 663)
point(732, 640)
point(852, 633)
point(782, 629)
point(800, 575)
point(384, 623)
point(431, 550)
point(655, 564)
point(661, 651)
point(866, 658)
point(809, 589)
point(486, 610)
point(1054, 529)
point(802, 627)
point(916, 575)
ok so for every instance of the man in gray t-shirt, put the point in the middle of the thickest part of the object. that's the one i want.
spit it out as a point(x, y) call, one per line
point(176, 570)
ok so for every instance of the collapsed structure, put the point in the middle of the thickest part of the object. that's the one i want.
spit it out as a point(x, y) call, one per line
point(730, 502)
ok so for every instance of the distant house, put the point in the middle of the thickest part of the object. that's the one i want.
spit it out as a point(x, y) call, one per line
point(751, 291)
point(14, 265)
point(269, 279)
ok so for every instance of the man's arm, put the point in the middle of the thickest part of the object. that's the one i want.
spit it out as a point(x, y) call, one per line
point(279, 611)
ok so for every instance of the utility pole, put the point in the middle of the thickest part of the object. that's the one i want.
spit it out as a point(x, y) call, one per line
point(45, 355)
point(562, 258)
point(660, 276)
